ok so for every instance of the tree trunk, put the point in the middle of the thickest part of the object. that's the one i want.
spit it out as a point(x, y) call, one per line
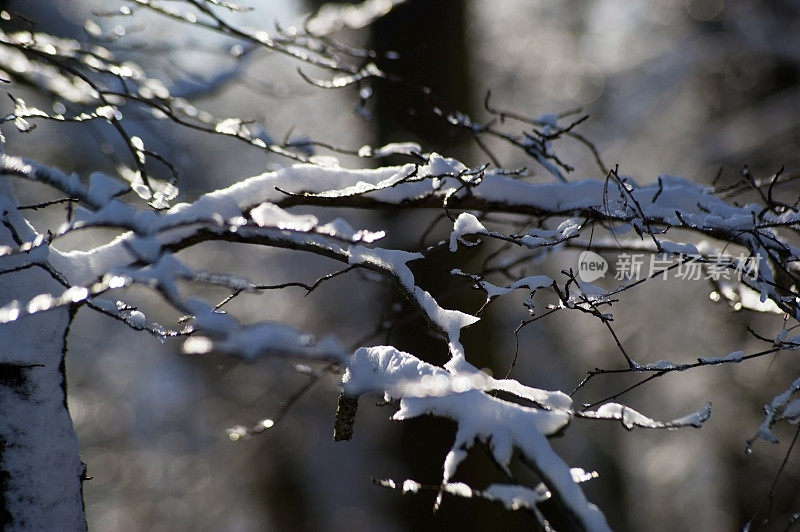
point(40, 467)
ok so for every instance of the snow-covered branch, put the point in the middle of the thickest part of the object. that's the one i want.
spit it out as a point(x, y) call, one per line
point(507, 219)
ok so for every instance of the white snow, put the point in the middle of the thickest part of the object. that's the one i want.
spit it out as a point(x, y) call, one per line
point(569, 227)
point(273, 339)
point(458, 391)
point(409, 486)
point(441, 166)
point(479, 416)
point(229, 126)
point(661, 365)
point(465, 224)
point(630, 418)
point(778, 404)
point(532, 283)
point(683, 249)
point(405, 148)
point(269, 214)
point(393, 185)
point(514, 496)
point(146, 248)
point(449, 322)
point(792, 411)
point(102, 188)
point(735, 356)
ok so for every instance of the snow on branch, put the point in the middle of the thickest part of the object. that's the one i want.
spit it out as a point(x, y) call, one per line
point(630, 418)
point(266, 339)
point(504, 414)
point(226, 214)
point(449, 322)
point(671, 203)
point(485, 205)
point(251, 211)
point(780, 408)
point(512, 496)
point(459, 392)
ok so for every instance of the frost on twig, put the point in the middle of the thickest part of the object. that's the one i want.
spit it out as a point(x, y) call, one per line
point(781, 408)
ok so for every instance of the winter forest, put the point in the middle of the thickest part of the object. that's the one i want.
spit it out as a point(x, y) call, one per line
point(399, 265)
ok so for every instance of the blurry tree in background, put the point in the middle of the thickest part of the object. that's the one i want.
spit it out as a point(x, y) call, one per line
point(408, 235)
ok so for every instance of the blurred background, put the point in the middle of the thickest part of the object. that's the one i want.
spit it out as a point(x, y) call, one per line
point(683, 87)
